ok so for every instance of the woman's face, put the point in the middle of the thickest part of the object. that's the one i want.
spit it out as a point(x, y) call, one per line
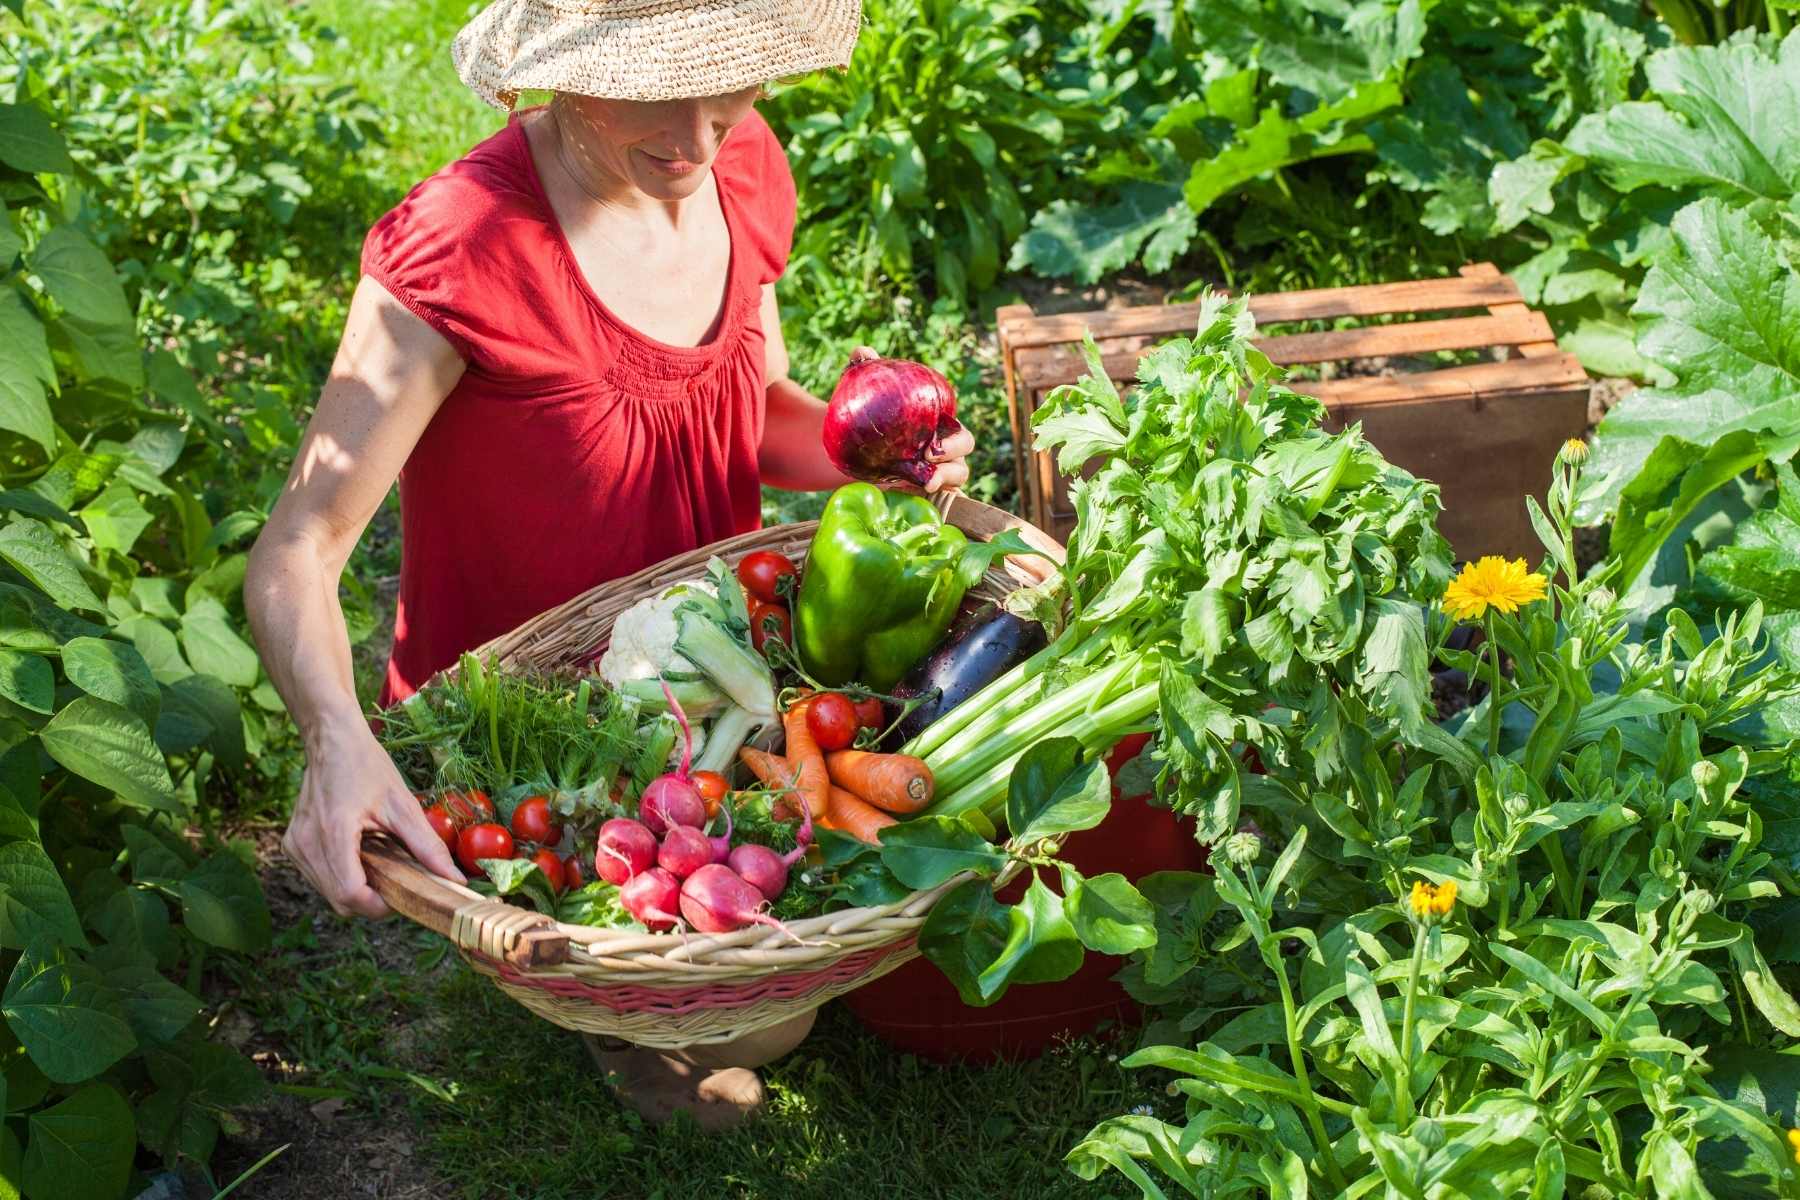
point(664, 148)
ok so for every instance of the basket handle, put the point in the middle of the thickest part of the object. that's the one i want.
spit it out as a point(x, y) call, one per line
point(474, 923)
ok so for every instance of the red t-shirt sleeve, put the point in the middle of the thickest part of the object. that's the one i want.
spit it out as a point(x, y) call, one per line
point(759, 169)
point(440, 250)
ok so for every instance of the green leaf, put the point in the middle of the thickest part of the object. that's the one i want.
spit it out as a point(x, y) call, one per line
point(34, 552)
point(115, 671)
point(133, 916)
point(200, 711)
point(116, 518)
point(1554, 984)
point(111, 746)
point(1360, 990)
point(1109, 915)
point(29, 144)
point(27, 680)
point(1722, 118)
point(925, 852)
point(213, 646)
point(158, 646)
point(1770, 998)
point(1394, 666)
point(963, 934)
point(157, 1009)
point(1720, 309)
point(81, 1149)
point(1086, 242)
point(26, 371)
point(1052, 791)
point(1040, 947)
point(222, 904)
point(34, 903)
point(78, 275)
point(1675, 479)
point(67, 1017)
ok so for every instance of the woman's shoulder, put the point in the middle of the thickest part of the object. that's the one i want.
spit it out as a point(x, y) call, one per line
point(754, 168)
point(465, 197)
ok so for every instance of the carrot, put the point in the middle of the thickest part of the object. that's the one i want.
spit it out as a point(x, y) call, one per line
point(812, 781)
point(860, 820)
point(897, 783)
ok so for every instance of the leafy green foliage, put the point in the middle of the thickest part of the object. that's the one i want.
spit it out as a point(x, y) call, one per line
point(1548, 1029)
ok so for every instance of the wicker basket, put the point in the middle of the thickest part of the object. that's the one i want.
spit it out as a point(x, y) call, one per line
point(669, 990)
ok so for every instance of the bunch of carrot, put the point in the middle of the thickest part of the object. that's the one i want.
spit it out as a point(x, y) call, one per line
point(852, 791)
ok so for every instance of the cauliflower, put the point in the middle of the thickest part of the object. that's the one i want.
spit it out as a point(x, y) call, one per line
point(643, 637)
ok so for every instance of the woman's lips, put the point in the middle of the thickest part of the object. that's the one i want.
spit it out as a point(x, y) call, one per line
point(669, 166)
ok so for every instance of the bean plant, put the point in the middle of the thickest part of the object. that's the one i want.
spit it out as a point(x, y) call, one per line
point(1498, 959)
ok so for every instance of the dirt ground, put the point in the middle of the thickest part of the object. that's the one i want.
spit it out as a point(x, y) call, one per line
point(334, 1148)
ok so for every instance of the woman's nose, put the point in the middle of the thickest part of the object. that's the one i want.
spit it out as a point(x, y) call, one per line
point(695, 133)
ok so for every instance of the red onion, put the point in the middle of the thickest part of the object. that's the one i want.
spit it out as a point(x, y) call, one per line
point(887, 416)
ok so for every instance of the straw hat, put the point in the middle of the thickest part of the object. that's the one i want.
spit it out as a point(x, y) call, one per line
point(649, 49)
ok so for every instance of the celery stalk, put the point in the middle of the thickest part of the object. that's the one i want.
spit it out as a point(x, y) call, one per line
point(738, 670)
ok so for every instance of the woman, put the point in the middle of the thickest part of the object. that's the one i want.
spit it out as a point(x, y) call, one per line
point(566, 347)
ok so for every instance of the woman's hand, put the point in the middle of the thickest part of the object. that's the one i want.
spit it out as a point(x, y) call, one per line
point(952, 468)
point(351, 787)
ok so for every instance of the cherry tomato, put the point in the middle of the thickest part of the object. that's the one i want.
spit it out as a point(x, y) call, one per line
point(486, 840)
point(533, 821)
point(784, 624)
point(870, 715)
point(831, 719)
point(571, 867)
point(552, 867)
point(712, 788)
point(761, 573)
point(442, 825)
point(468, 808)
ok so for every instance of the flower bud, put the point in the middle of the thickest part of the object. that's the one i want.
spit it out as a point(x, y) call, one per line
point(1705, 774)
point(1242, 849)
point(1517, 806)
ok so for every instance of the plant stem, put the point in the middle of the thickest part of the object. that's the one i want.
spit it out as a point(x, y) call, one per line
point(1493, 747)
point(1406, 1024)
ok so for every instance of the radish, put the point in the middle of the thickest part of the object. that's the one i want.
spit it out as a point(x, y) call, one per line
point(716, 899)
point(761, 868)
point(652, 896)
point(671, 800)
point(626, 848)
point(684, 851)
point(721, 843)
point(887, 417)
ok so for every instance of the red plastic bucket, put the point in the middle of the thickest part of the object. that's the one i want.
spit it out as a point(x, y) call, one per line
point(916, 1010)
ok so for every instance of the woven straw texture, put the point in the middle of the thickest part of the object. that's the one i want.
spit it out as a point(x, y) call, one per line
point(670, 990)
point(649, 49)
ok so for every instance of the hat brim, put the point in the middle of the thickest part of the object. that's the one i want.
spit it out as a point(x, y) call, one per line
point(650, 50)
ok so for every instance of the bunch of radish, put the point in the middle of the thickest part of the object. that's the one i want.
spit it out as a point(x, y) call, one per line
point(670, 870)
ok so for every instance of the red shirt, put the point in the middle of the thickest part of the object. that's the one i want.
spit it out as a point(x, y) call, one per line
point(574, 449)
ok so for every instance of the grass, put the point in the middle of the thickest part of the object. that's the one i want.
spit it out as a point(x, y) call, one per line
point(507, 1105)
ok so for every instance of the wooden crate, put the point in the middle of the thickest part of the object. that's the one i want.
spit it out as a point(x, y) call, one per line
point(1486, 433)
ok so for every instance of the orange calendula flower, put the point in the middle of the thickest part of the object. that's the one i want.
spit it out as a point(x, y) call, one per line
point(1433, 899)
point(1492, 582)
point(1794, 1141)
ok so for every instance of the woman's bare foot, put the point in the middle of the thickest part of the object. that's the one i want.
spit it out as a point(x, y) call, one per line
point(657, 1086)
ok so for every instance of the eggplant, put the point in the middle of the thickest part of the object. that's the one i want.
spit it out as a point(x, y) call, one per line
point(980, 648)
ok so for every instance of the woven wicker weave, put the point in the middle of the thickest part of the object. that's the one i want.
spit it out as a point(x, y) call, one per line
point(669, 990)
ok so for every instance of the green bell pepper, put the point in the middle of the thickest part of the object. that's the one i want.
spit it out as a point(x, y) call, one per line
point(882, 584)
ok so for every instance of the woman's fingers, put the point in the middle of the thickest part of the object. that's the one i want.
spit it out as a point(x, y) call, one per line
point(347, 885)
point(947, 475)
point(406, 821)
point(960, 444)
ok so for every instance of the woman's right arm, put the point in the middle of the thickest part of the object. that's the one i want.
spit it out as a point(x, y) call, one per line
point(391, 374)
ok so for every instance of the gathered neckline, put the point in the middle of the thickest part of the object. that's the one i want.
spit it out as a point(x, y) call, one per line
point(660, 354)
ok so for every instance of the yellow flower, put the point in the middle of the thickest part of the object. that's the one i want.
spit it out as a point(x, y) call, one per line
point(1492, 582)
point(1794, 1141)
point(1574, 450)
point(1433, 899)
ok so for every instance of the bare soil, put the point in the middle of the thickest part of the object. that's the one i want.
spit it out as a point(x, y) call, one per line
point(334, 1147)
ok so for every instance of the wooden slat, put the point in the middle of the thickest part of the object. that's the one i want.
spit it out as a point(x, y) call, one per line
point(417, 894)
point(1046, 366)
point(1490, 271)
point(1376, 299)
point(1005, 318)
point(1549, 373)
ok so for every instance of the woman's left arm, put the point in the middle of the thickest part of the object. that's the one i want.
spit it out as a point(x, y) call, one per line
point(792, 455)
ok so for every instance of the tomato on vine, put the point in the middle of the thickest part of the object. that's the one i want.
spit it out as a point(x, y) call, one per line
point(832, 720)
point(761, 574)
